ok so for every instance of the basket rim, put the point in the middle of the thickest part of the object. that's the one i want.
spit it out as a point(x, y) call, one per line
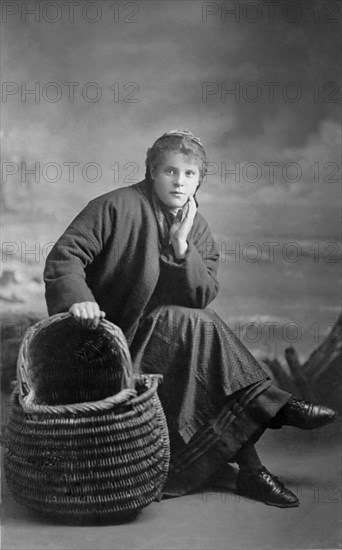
point(126, 397)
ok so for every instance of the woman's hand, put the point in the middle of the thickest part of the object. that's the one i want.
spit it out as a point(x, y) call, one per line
point(87, 313)
point(180, 228)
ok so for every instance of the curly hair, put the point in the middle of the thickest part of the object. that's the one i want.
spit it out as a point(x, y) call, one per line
point(177, 142)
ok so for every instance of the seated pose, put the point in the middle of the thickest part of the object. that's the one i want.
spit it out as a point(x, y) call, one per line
point(143, 257)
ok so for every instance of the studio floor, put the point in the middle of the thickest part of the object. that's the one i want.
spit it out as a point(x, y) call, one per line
point(309, 463)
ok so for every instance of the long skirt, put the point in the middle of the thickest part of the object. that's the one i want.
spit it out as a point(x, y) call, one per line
point(215, 395)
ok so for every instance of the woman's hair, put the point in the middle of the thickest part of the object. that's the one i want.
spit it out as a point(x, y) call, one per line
point(177, 141)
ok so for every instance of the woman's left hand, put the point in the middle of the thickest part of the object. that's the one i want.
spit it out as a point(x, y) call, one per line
point(181, 227)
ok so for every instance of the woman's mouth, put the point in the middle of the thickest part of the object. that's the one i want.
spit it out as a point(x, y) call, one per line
point(177, 194)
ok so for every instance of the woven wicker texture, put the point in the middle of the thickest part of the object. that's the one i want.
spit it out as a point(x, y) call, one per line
point(69, 363)
point(84, 461)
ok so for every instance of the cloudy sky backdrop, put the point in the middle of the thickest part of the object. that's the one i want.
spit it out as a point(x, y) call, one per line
point(164, 65)
point(171, 51)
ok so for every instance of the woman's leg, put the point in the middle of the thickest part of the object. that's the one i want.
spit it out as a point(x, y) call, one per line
point(203, 364)
point(248, 459)
point(254, 481)
point(215, 395)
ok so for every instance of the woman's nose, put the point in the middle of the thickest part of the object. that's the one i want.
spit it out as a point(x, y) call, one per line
point(179, 179)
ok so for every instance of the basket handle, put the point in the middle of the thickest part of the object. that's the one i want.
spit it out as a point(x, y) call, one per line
point(26, 393)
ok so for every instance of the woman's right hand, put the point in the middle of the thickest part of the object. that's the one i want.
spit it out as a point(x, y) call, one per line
point(87, 313)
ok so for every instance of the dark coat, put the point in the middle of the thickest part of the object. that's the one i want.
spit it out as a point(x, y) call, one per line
point(110, 254)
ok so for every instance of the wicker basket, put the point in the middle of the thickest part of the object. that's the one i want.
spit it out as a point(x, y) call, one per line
point(84, 461)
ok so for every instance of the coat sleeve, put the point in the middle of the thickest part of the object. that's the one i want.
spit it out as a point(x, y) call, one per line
point(65, 268)
point(192, 282)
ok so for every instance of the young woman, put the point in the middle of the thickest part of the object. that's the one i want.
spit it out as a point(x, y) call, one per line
point(145, 258)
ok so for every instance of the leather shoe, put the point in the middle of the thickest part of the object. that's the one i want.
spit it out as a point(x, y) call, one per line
point(265, 487)
point(304, 415)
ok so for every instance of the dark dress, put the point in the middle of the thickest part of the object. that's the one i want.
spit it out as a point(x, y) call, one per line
point(215, 395)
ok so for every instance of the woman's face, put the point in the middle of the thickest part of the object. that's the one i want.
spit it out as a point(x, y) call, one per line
point(176, 179)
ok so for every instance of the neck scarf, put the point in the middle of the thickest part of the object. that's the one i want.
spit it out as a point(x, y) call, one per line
point(164, 217)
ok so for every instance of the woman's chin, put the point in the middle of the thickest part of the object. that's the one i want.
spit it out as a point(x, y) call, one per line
point(177, 202)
